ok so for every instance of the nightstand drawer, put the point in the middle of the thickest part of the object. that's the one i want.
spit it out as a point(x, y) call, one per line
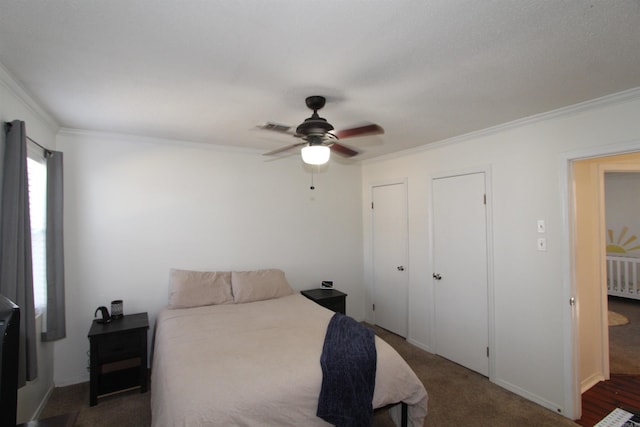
point(118, 346)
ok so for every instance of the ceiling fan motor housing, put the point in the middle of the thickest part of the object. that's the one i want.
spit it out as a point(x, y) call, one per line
point(314, 125)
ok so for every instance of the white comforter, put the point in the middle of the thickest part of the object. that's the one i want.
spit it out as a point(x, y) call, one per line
point(257, 364)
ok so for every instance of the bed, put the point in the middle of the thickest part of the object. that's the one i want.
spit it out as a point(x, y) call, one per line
point(254, 360)
point(623, 276)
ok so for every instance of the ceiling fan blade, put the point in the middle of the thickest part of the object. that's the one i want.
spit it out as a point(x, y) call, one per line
point(371, 129)
point(276, 127)
point(283, 149)
point(342, 150)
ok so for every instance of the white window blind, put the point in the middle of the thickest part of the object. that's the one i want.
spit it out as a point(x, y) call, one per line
point(37, 175)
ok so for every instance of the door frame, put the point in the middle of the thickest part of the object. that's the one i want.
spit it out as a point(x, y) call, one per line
point(405, 195)
point(572, 392)
point(486, 170)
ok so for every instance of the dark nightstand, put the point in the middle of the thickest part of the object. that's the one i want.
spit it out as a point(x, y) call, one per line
point(118, 355)
point(329, 298)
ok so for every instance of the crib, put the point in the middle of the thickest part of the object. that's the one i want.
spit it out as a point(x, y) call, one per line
point(623, 274)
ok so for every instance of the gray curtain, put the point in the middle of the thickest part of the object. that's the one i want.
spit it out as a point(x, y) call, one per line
point(56, 327)
point(16, 273)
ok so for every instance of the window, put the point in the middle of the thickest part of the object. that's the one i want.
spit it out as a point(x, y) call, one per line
point(37, 175)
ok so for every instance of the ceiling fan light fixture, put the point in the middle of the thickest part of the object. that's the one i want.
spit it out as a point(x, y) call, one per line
point(315, 154)
point(318, 135)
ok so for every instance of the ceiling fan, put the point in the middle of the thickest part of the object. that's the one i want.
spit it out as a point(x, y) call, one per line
point(318, 137)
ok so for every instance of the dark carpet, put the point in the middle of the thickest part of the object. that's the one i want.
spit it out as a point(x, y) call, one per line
point(457, 397)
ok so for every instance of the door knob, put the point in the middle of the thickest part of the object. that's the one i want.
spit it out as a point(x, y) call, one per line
point(400, 268)
point(437, 276)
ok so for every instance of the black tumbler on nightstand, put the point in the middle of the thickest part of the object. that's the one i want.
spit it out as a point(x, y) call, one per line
point(116, 309)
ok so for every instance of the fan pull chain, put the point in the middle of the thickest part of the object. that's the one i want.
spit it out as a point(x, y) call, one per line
point(312, 186)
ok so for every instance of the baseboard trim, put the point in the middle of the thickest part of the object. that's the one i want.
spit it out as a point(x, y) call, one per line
point(43, 403)
point(589, 382)
point(72, 381)
point(420, 345)
point(558, 409)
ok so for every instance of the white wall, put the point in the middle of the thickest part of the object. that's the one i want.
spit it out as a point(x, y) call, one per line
point(15, 104)
point(528, 349)
point(622, 207)
point(134, 208)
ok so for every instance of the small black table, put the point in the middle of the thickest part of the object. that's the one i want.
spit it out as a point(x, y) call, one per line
point(327, 297)
point(118, 355)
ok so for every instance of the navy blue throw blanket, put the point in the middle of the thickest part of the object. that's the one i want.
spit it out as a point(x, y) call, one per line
point(348, 364)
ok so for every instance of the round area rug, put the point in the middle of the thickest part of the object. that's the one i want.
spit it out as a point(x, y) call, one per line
point(617, 319)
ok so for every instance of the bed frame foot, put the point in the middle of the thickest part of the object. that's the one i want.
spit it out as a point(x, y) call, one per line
point(404, 412)
point(404, 419)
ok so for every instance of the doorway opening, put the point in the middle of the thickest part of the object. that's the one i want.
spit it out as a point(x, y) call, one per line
point(590, 320)
point(622, 204)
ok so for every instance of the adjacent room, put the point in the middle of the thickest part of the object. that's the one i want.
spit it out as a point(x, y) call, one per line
point(459, 177)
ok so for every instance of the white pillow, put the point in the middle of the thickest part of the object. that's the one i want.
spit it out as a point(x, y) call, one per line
point(259, 285)
point(196, 288)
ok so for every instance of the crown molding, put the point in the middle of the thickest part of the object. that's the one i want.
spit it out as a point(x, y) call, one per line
point(8, 81)
point(125, 137)
point(616, 98)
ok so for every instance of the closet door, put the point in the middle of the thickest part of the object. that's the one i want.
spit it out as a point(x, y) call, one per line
point(460, 270)
point(390, 249)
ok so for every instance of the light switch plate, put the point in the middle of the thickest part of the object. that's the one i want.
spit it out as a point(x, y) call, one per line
point(542, 244)
point(541, 226)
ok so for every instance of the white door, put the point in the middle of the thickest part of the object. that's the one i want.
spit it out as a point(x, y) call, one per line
point(390, 276)
point(460, 270)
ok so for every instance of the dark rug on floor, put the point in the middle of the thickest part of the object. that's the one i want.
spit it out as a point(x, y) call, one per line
point(624, 340)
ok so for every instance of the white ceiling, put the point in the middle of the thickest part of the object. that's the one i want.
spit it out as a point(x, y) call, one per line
point(209, 71)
